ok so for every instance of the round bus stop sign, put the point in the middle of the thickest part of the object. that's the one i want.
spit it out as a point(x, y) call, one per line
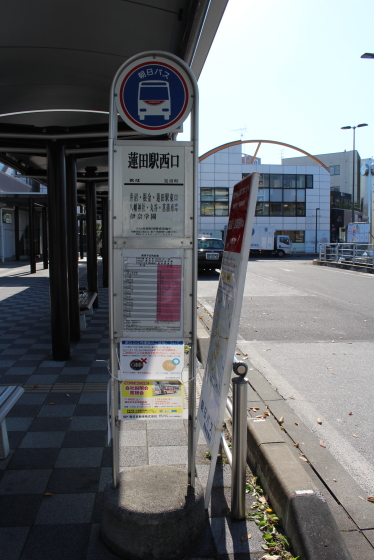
point(154, 95)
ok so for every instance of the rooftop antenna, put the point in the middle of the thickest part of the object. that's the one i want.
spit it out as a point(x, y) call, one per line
point(241, 130)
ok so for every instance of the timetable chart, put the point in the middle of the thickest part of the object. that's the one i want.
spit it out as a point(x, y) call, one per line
point(152, 292)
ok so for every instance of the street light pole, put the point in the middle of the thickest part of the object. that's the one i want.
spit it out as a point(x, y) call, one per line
point(353, 166)
point(315, 250)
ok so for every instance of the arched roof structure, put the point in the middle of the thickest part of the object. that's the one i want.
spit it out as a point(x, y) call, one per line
point(259, 142)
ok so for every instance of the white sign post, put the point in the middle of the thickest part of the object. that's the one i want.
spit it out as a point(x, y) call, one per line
point(152, 239)
point(226, 317)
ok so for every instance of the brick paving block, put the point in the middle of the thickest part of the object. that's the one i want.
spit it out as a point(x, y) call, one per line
point(89, 423)
point(63, 410)
point(85, 438)
point(15, 439)
point(133, 425)
point(19, 512)
point(91, 410)
point(105, 477)
point(132, 456)
point(66, 398)
point(169, 455)
point(31, 398)
point(54, 542)
point(24, 410)
point(132, 438)
point(18, 424)
point(42, 379)
point(12, 540)
point(33, 459)
point(172, 424)
point(24, 481)
point(77, 370)
point(74, 378)
point(98, 508)
point(61, 509)
point(167, 437)
point(93, 398)
point(100, 378)
point(79, 457)
point(21, 370)
point(74, 480)
point(51, 424)
point(36, 440)
point(6, 363)
point(44, 370)
point(106, 460)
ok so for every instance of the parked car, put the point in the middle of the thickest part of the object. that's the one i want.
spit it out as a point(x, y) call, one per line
point(210, 251)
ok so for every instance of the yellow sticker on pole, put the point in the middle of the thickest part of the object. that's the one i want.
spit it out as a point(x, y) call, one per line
point(151, 399)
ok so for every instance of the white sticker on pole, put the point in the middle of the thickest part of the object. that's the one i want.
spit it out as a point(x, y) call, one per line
point(151, 359)
point(227, 310)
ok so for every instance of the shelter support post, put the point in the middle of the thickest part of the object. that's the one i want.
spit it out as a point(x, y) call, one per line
point(81, 235)
point(72, 242)
point(45, 238)
point(16, 232)
point(32, 236)
point(58, 275)
point(104, 240)
point(91, 238)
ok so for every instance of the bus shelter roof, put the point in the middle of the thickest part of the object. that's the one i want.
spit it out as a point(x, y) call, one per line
point(59, 59)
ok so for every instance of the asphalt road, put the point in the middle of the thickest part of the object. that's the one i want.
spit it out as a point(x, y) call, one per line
point(310, 331)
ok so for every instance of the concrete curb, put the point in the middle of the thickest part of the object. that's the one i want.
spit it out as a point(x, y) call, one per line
point(306, 517)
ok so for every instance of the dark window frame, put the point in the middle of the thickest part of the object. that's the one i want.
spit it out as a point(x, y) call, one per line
point(217, 202)
point(292, 186)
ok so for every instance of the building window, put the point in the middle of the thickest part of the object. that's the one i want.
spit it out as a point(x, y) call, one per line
point(262, 209)
point(334, 169)
point(214, 201)
point(285, 193)
point(295, 236)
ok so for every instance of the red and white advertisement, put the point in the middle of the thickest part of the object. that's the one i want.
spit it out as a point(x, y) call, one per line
point(238, 215)
point(227, 310)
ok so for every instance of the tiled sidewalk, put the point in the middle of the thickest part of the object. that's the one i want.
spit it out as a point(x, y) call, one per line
point(51, 485)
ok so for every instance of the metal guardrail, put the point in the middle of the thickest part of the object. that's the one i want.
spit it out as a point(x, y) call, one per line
point(361, 254)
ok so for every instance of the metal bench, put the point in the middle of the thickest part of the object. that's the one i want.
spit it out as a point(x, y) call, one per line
point(86, 300)
point(8, 398)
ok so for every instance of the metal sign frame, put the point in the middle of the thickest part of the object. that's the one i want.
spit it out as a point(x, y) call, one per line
point(226, 319)
point(113, 245)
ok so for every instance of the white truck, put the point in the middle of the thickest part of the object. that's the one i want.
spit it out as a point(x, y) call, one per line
point(265, 242)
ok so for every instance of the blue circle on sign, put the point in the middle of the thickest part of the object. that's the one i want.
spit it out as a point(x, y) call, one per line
point(175, 361)
point(154, 96)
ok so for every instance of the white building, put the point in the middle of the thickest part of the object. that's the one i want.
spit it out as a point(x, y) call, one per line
point(341, 169)
point(367, 193)
point(293, 198)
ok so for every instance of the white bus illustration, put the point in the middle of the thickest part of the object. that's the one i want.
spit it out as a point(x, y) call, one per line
point(154, 99)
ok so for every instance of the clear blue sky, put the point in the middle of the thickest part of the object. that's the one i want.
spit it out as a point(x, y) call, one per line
point(290, 71)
